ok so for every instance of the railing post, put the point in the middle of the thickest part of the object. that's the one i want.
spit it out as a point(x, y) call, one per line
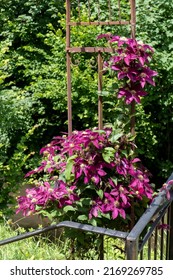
point(131, 249)
point(171, 233)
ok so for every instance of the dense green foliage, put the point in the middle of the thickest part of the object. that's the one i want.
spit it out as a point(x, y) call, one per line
point(154, 25)
point(33, 103)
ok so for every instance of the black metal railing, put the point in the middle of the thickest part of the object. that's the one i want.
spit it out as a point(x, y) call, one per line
point(150, 238)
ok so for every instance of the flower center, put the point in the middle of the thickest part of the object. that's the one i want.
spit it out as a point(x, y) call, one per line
point(50, 190)
point(133, 92)
point(116, 204)
point(143, 75)
point(125, 69)
point(82, 165)
point(94, 180)
point(71, 145)
point(34, 200)
point(140, 177)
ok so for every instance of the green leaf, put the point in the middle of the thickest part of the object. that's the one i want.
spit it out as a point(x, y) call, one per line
point(106, 215)
point(85, 201)
point(103, 93)
point(91, 187)
point(93, 222)
point(69, 208)
point(108, 154)
point(116, 135)
point(82, 218)
point(100, 193)
point(69, 167)
point(124, 152)
point(62, 177)
point(115, 180)
point(46, 214)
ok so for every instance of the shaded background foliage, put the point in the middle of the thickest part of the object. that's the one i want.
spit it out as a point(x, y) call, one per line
point(33, 102)
point(154, 25)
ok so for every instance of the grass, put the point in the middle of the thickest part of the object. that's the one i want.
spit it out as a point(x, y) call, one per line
point(33, 248)
point(42, 248)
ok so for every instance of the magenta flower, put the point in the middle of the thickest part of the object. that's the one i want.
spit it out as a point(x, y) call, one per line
point(146, 76)
point(129, 72)
point(166, 189)
point(70, 146)
point(122, 165)
point(134, 93)
point(164, 227)
point(101, 36)
point(77, 169)
point(140, 185)
point(130, 61)
point(111, 204)
point(96, 208)
point(34, 196)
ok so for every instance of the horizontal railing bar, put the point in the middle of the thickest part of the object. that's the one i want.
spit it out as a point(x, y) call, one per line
point(86, 23)
point(152, 228)
point(90, 49)
point(68, 224)
point(149, 213)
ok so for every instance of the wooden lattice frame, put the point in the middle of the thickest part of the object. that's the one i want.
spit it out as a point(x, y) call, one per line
point(94, 49)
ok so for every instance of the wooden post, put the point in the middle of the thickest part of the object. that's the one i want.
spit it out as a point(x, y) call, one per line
point(100, 98)
point(132, 108)
point(68, 61)
point(133, 31)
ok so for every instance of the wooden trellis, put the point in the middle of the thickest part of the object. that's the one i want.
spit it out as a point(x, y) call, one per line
point(112, 16)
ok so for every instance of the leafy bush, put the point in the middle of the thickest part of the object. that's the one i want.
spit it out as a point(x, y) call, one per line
point(154, 25)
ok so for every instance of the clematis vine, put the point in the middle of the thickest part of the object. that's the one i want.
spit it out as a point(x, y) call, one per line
point(93, 169)
point(130, 60)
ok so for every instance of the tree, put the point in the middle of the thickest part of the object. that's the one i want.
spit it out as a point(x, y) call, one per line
point(154, 25)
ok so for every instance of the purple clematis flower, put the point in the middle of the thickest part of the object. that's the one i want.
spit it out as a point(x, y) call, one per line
point(112, 204)
point(135, 93)
point(79, 167)
point(146, 76)
point(130, 60)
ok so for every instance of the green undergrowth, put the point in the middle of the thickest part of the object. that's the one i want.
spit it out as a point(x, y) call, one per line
point(44, 247)
point(33, 248)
